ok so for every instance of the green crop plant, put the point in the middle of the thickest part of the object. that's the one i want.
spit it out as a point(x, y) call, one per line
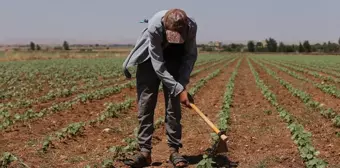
point(268, 112)
point(337, 134)
point(8, 158)
point(71, 130)
point(107, 163)
point(206, 162)
point(159, 122)
point(328, 113)
point(336, 121)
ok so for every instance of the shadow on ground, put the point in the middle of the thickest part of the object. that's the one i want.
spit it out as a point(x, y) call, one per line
point(220, 160)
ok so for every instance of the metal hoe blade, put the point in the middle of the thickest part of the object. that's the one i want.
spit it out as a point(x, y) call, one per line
point(219, 147)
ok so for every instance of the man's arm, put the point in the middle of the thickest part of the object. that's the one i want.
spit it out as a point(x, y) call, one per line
point(189, 60)
point(157, 60)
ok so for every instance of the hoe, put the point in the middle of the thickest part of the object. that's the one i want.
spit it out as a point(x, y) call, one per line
point(221, 145)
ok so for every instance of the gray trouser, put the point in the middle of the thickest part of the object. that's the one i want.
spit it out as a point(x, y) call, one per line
point(147, 90)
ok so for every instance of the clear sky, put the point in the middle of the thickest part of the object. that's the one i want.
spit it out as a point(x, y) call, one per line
point(52, 21)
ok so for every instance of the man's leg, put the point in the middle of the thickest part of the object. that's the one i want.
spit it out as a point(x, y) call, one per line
point(174, 128)
point(147, 89)
point(173, 120)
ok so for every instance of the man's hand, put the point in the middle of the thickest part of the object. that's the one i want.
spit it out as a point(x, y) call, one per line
point(183, 97)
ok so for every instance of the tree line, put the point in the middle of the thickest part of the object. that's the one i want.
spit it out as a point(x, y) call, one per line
point(37, 47)
point(271, 45)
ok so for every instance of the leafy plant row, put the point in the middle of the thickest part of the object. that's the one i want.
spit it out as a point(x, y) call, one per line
point(326, 88)
point(301, 137)
point(225, 112)
point(208, 161)
point(305, 97)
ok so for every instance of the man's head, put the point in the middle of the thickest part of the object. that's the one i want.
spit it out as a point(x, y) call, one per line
point(176, 23)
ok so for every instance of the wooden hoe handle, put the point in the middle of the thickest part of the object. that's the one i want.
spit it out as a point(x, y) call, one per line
point(217, 131)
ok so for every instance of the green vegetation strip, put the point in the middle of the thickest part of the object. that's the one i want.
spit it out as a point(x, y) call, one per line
point(305, 97)
point(301, 137)
point(228, 99)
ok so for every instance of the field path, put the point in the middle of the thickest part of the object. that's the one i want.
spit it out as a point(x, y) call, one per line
point(257, 138)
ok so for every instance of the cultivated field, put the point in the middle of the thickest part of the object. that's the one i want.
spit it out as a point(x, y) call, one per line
point(278, 111)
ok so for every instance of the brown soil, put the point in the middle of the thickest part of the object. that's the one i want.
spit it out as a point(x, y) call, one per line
point(256, 138)
point(324, 138)
point(25, 140)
